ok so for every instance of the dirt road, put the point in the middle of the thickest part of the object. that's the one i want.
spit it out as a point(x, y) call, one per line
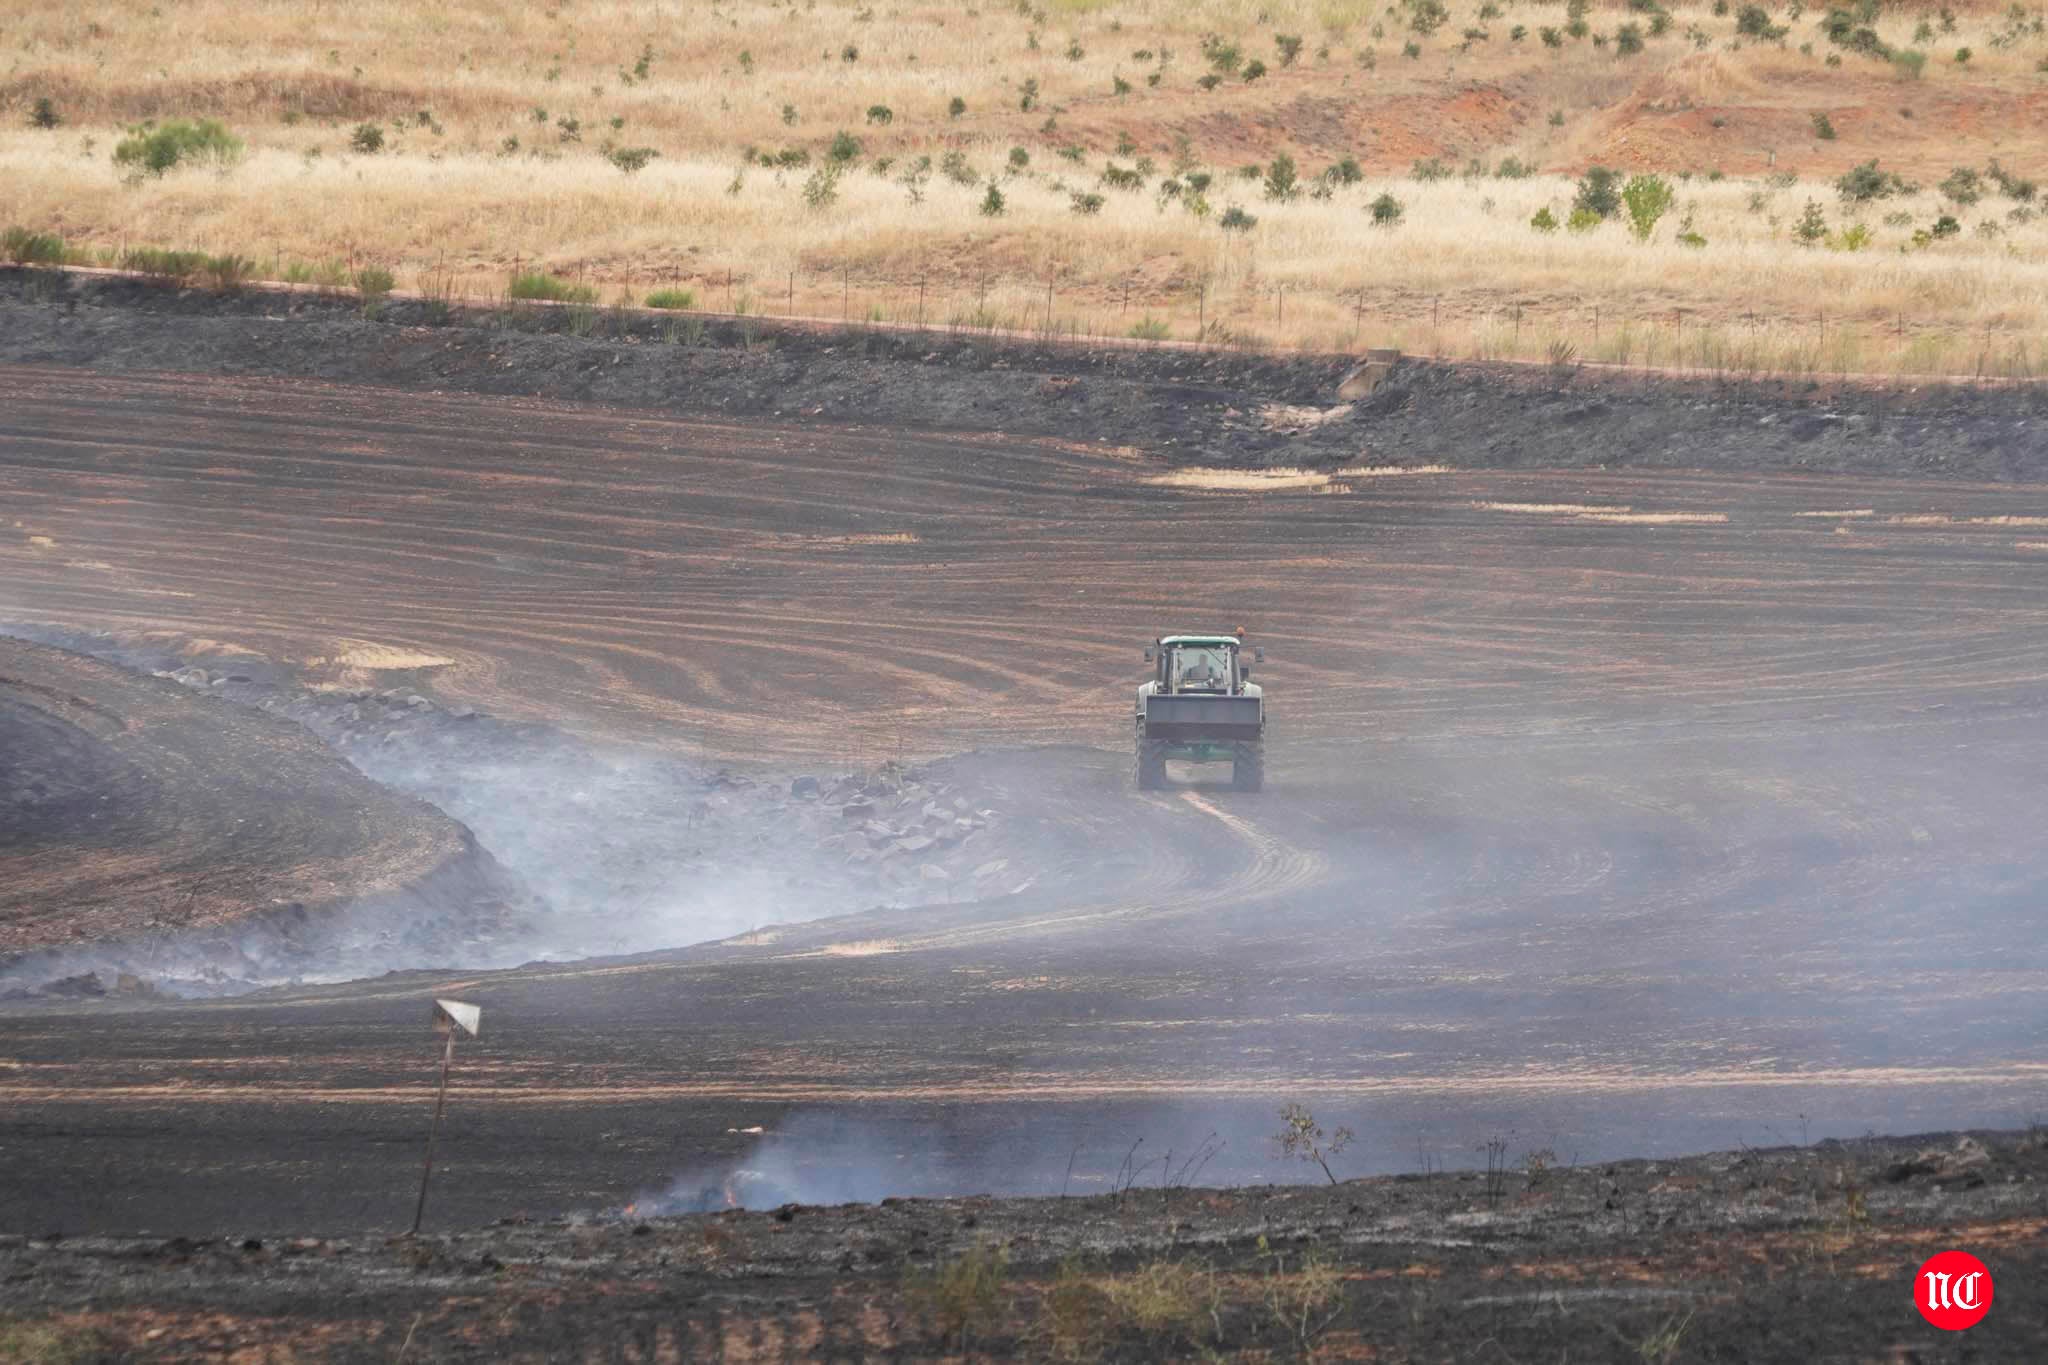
point(1627, 813)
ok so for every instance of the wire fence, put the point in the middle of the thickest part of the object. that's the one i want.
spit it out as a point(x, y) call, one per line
point(1245, 313)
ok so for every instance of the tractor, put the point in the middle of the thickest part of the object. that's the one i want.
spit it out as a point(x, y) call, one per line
point(1202, 707)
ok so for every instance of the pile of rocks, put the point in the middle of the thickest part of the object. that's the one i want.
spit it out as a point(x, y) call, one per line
point(899, 828)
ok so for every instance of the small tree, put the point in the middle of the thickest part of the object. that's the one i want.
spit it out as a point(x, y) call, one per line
point(1812, 226)
point(1235, 219)
point(845, 148)
point(1280, 178)
point(1599, 192)
point(1545, 220)
point(821, 190)
point(367, 140)
point(1963, 185)
point(1303, 1139)
point(1648, 197)
point(992, 203)
point(44, 115)
point(1386, 210)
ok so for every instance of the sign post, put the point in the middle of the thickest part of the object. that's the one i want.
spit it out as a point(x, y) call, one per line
point(450, 1018)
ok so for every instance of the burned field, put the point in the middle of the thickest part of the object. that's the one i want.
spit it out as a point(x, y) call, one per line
point(1609, 814)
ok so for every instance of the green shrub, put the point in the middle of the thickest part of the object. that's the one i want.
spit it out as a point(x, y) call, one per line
point(1149, 329)
point(1812, 226)
point(631, 159)
point(1280, 179)
point(672, 298)
point(228, 273)
point(1598, 193)
point(150, 149)
point(367, 140)
point(1427, 16)
point(1545, 220)
point(1431, 168)
point(821, 189)
point(1690, 237)
point(44, 114)
point(1235, 219)
point(543, 287)
point(1946, 226)
point(1019, 158)
point(1963, 185)
point(32, 248)
point(1583, 220)
point(1551, 37)
point(173, 266)
point(1223, 57)
point(1963, 55)
point(955, 107)
point(1861, 184)
point(1386, 210)
point(2011, 186)
point(1087, 204)
point(1853, 238)
point(1628, 40)
point(880, 114)
point(1345, 172)
point(1254, 69)
point(1513, 168)
point(845, 147)
point(1412, 50)
point(953, 165)
point(992, 205)
point(1823, 127)
point(1754, 21)
point(374, 282)
point(1289, 46)
point(1121, 178)
point(1648, 198)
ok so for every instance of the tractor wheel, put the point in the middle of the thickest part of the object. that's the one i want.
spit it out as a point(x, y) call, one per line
point(1248, 768)
point(1151, 765)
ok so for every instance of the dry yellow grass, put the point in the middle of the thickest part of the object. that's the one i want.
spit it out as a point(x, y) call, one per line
point(449, 199)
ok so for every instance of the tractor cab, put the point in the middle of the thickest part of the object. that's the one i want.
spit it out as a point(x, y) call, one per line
point(1201, 663)
point(1201, 706)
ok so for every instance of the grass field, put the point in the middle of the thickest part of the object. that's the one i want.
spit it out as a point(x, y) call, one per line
point(1078, 163)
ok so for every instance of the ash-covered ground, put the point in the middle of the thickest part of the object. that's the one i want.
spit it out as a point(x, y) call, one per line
point(1615, 809)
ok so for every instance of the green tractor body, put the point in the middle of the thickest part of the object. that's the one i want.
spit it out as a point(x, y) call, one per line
point(1201, 706)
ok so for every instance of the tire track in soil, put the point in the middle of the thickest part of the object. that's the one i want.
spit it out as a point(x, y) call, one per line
point(1555, 806)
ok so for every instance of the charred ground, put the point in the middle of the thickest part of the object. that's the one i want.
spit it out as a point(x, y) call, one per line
point(1609, 813)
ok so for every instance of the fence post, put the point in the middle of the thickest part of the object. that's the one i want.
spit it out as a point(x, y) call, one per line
point(792, 293)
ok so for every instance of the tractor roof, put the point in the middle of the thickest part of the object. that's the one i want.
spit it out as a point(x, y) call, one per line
point(1208, 640)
